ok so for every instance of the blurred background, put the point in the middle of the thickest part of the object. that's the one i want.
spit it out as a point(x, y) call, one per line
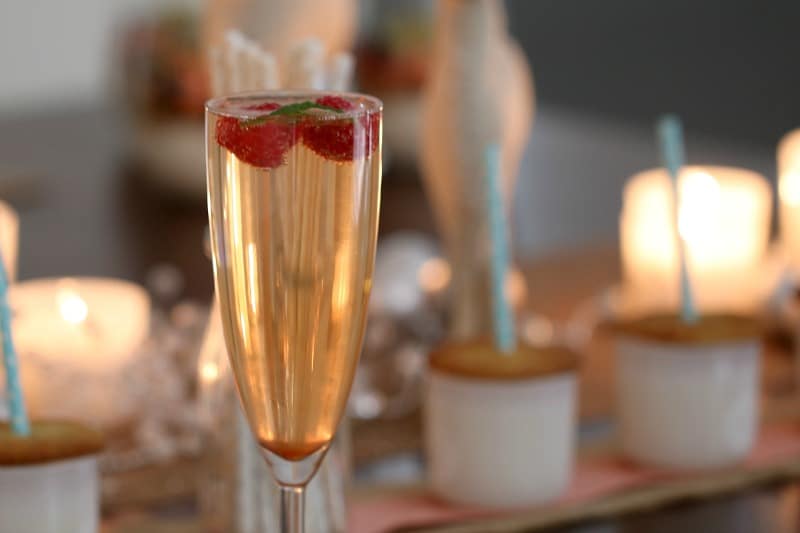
point(727, 64)
point(603, 71)
point(101, 155)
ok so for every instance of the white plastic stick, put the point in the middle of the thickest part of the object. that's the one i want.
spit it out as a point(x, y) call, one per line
point(269, 71)
point(340, 72)
point(253, 76)
point(237, 61)
point(305, 65)
point(216, 69)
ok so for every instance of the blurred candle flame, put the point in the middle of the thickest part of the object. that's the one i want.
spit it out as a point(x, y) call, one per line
point(72, 307)
point(700, 199)
point(516, 288)
point(209, 372)
point(538, 331)
point(434, 275)
point(789, 188)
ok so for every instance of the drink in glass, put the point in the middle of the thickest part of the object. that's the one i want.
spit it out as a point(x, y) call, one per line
point(293, 193)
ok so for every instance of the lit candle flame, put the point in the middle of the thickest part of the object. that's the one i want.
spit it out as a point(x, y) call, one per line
point(72, 307)
point(538, 331)
point(434, 275)
point(209, 372)
point(516, 288)
point(700, 198)
point(789, 188)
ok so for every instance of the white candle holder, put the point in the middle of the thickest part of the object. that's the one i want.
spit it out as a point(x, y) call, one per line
point(687, 403)
point(47, 493)
point(500, 441)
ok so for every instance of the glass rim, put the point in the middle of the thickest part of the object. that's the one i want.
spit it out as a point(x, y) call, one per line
point(218, 105)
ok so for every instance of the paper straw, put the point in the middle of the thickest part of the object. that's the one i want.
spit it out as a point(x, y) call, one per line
point(670, 135)
point(16, 402)
point(503, 317)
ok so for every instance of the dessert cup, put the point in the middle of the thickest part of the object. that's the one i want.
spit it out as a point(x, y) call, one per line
point(500, 429)
point(48, 480)
point(687, 394)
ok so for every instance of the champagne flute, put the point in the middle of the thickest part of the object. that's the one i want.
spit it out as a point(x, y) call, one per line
point(293, 198)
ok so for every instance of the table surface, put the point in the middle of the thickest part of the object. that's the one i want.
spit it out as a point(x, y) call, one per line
point(86, 211)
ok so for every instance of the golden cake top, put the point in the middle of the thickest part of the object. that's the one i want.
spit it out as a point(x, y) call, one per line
point(481, 360)
point(49, 441)
point(708, 329)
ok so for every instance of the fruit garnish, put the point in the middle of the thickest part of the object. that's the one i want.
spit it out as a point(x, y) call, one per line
point(262, 145)
point(335, 102)
point(263, 141)
point(266, 106)
point(290, 110)
point(339, 139)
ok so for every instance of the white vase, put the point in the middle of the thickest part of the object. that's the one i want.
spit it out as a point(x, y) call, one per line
point(479, 92)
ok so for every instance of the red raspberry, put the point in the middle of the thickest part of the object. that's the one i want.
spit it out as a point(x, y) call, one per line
point(336, 139)
point(261, 145)
point(266, 106)
point(336, 102)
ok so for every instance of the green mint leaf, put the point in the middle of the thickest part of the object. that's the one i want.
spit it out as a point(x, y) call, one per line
point(301, 107)
point(290, 110)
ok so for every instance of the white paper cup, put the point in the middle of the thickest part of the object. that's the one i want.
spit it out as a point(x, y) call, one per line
point(500, 442)
point(49, 481)
point(687, 405)
point(55, 497)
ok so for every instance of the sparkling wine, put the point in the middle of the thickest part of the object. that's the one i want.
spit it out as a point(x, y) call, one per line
point(293, 203)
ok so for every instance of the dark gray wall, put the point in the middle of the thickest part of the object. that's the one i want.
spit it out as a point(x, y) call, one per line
point(731, 68)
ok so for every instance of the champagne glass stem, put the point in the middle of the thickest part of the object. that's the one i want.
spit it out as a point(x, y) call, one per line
point(292, 503)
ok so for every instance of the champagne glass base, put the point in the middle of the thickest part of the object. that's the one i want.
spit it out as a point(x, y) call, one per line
point(294, 473)
point(293, 476)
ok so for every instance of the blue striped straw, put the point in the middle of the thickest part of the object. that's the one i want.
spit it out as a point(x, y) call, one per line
point(16, 402)
point(505, 337)
point(670, 135)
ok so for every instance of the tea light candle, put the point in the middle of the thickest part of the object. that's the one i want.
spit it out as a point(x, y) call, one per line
point(789, 195)
point(9, 238)
point(724, 217)
point(78, 335)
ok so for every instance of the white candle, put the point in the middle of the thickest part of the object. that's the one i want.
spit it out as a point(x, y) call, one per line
point(75, 337)
point(789, 195)
point(9, 238)
point(724, 216)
